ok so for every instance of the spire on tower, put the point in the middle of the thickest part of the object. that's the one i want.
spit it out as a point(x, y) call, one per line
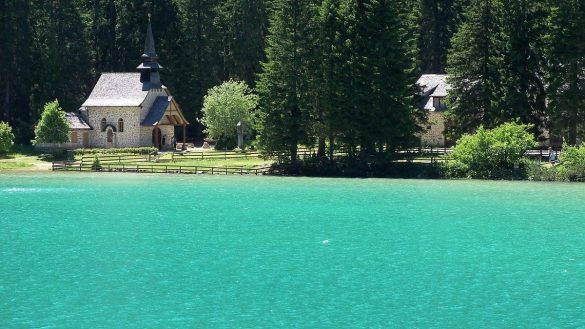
point(149, 67)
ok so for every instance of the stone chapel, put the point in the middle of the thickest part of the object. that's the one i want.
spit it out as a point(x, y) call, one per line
point(129, 109)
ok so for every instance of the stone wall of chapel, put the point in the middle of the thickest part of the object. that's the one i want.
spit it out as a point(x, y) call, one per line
point(146, 135)
point(432, 131)
point(130, 137)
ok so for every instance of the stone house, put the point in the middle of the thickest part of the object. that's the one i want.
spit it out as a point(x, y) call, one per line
point(433, 90)
point(129, 109)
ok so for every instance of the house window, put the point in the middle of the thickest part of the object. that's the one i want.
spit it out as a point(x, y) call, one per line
point(74, 137)
point(103, 125)
point(437, 102)
point(120, 125)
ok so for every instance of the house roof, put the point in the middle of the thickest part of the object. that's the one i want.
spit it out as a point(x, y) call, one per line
point(432, 85)
point(75, 121)
point(117, 89)
point(157, 110)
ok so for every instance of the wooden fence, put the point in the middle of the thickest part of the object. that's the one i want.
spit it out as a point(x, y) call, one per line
point(157, 168)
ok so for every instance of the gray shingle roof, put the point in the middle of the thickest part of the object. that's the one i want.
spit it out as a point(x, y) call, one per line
point(433, 85)
point(157, 110)
point(117, 89)
point(75, 121)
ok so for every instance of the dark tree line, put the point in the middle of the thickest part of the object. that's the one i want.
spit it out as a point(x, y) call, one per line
point(329, 72)
point(57, 49)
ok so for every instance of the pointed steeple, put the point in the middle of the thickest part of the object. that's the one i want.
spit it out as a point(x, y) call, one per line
point(149, 50)
point(149, 67)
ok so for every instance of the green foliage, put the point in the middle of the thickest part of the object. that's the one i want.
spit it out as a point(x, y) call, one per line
point(565, 53)
point(491, 153)
point(52, 128)
point(225, 105)
point(226, 143)
point(122, 150)
point(6, 137)
point(572, 163)
point(473, 64)
point(284, 85)
point(437, 21)
point(96, 165)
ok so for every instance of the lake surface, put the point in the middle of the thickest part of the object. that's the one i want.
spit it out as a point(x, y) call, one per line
point(135, 251)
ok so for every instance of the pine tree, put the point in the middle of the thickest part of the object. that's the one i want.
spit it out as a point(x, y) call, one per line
point(284, 83)
point(437, 22)
point(244, 24)
point(523, 85)
point(378, 85)
point(566, 71)
point(473, 67)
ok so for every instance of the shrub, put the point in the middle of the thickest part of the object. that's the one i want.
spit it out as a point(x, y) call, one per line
point(96, 165)
point(572, 163)
point(6, 137)
point(225, 105)
point(53, 127)
point(123, 150)
point(492, 153)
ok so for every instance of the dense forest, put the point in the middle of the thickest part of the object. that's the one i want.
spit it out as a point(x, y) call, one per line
point(337, 70)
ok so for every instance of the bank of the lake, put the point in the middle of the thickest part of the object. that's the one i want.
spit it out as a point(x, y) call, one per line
point(124, 250)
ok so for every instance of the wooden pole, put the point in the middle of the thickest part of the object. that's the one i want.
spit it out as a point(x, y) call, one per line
point(184, 137)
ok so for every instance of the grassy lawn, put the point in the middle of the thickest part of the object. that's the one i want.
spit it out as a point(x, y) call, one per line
point(22, 159)
point(251, 162)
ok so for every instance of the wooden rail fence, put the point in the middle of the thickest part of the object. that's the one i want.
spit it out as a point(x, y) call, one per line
point(155, 168)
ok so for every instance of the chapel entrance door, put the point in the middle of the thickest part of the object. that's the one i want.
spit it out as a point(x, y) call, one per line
point(156, 138)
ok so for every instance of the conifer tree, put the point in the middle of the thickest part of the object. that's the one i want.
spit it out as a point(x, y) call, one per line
point(437, 22)
point(473, 67)
point(522, 71)
point(565, 52)
point(284, 83)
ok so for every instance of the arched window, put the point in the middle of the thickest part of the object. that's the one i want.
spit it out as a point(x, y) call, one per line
point(120, 125)
point(103, 125)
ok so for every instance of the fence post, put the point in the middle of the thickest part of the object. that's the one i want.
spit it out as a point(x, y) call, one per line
point(212, 170)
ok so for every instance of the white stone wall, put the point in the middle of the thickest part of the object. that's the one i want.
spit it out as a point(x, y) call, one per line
point(130, 137)
point(69, 145)
point(433, 136)
point(146, 135)
point(134, 134)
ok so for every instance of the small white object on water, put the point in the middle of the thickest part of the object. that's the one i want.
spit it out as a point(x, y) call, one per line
point(325, 241)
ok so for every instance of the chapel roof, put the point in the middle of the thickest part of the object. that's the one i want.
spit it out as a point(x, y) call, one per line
point(157, 110)
point(75, 121)
point(117, 89)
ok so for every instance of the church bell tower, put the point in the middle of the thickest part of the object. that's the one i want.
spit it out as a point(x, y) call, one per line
point(149, 66)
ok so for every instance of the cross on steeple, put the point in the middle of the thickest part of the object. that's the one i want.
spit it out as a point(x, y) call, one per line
point(149, 67)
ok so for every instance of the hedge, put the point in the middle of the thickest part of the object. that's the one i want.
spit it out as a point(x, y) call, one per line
point(123, 150)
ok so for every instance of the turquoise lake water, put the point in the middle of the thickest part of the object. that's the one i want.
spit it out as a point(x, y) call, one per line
point(136, 251)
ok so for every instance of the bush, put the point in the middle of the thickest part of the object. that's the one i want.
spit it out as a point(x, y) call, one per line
point(225, 105)
point(123, 150)
point(226, 143)
point(53, 127)
point(96, 165)
point(572, 163)
point(496, 153)
point(6, 137)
